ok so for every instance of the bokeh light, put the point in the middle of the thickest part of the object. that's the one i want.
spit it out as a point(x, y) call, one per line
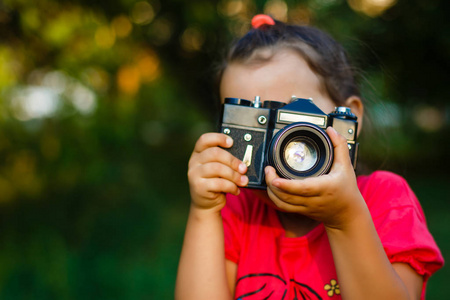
point(47, 95)
point(10, 67)
point(192, 39)
point(231, 8)
point(105, 37)
point(143, 68)
point(371, 8)
point(142, 13)
point(161, 31)
point(277, 9)
point(429, 118)
point(122, 26)
point(300, 15)
point(129, 79)
point(148, 64)
point(34, 102)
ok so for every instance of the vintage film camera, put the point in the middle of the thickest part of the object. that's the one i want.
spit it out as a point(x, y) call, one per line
point(289, 137)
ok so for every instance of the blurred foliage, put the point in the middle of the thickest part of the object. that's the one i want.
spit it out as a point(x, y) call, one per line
point(102, 101)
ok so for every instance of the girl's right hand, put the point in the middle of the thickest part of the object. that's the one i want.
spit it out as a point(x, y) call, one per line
point(214, 171)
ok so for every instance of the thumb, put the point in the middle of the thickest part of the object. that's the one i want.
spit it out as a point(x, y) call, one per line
point(341, 152)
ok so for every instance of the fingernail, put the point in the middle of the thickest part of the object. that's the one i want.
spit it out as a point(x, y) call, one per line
point(244, 180)
point(229, 141)
point(242, 168)
point(332, 129)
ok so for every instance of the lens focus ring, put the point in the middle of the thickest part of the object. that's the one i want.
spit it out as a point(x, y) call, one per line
point(300, 150)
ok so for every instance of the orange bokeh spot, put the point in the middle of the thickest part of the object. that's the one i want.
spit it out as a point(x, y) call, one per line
point(129, 79)
point(148, 65)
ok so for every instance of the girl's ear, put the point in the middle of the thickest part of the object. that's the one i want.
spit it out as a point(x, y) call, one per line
point(357, 107)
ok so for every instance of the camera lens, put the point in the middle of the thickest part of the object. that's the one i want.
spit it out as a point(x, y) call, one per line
point(300, 150)
point(300, 154)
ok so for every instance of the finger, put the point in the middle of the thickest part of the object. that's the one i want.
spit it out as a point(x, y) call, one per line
point(213, 139)
point(272, 177)
point(218, 170)
point(273, 190)
point(220, 185)
point(280, 204)
point(285, 203)
point(307, 187)
point(341, 152)
point(219, 155)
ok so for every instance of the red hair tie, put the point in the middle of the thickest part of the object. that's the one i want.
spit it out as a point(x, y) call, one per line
point(260, 20)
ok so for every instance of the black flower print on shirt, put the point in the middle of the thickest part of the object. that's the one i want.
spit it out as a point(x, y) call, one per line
point(271, 286)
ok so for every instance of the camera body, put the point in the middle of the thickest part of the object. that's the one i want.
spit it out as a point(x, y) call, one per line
point(289, 137)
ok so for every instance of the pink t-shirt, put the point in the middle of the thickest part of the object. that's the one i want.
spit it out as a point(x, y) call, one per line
point(272, 266)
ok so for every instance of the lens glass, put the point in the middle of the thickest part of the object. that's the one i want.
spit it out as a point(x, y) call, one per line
point(300, 155)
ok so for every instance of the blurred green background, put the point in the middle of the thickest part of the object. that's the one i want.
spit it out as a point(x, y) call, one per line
point(102, 101)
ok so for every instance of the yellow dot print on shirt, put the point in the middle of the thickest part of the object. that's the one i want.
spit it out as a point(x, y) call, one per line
point(332, 288)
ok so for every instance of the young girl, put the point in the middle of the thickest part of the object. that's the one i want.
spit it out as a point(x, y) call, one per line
point(331, 236)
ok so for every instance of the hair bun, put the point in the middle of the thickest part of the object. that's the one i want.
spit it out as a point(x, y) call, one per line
point(260, 20)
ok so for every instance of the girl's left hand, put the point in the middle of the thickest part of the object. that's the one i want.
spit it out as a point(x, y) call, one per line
point(333, 199)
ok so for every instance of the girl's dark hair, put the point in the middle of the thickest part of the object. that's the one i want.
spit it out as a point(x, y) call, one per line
point(325, 56)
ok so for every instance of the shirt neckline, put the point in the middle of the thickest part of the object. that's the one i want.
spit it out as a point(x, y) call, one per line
point(309, 237)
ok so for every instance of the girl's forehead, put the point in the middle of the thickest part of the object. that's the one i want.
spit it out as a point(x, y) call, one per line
point(284, 74)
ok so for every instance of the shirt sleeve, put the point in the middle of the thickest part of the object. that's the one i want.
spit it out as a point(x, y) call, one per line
point(400, 223)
